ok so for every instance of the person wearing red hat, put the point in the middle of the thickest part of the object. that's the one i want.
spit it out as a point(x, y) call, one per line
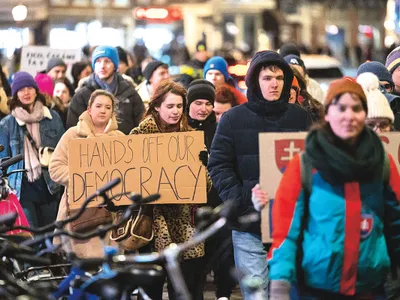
point(328, 233)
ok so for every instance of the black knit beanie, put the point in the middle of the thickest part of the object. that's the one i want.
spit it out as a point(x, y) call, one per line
point(289, 48)
point(151, 67)
point(122, 55)
point(201, 89)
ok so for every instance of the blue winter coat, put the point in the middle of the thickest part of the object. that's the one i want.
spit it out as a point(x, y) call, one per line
point(344, 245)
point(12, 138)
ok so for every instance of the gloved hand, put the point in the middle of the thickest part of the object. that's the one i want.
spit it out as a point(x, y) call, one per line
point(258, 197)
point(203, 155)
point(279, 290)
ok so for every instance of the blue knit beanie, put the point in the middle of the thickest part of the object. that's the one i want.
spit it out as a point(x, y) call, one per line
point(22, 80)
point(393, 60)
point(217, 63)
point(377, 68)
point(106, 51)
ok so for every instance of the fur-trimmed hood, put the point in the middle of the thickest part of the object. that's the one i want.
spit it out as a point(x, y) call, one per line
point(85, 126)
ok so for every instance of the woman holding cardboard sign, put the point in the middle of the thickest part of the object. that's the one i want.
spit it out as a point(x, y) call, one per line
point(98, 120)
point(32, 130)
point(332, 207)
point(173, 223)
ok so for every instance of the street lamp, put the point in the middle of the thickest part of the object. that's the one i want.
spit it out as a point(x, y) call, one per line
point(19, 13)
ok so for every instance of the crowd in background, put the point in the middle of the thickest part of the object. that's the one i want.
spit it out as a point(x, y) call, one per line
point(113, 93)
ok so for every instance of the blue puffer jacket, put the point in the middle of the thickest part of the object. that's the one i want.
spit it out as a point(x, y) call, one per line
point(12, 138)
point(234, 158)
point(344, 245)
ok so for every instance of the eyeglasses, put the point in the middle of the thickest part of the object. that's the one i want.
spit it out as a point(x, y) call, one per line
point(295, 88)
point(388, 87)
point(381, 125)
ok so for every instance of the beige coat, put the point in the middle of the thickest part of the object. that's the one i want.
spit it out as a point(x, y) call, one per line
point(59, 173)
point(4, 108)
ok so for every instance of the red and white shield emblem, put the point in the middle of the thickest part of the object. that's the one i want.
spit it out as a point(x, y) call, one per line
point(285, 151)
point(366, 225)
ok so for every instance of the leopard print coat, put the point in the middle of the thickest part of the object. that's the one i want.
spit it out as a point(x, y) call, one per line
point(173, 223)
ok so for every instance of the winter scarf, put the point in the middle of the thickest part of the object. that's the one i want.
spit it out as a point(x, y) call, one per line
point(339, 162)
point(31, 155)
point(273, 110)
point(112, 87)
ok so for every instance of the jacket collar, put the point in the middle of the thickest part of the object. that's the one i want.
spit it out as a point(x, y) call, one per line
point(85, 127)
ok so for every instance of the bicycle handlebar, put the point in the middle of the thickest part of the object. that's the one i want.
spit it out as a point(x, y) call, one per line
point(176, 249)
point(26, 254)
point(8, 219)
point(5, 164)
point(60, 224)
point(101, 230)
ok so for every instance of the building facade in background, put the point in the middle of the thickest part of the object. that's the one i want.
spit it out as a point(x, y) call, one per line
point(249, 25)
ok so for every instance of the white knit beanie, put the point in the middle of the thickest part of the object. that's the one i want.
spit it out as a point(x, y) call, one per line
point(378, 106)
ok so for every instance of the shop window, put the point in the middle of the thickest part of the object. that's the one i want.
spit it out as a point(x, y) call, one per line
point(59, 2)
point(121, 3)
point(80, 2)
point(13, 38)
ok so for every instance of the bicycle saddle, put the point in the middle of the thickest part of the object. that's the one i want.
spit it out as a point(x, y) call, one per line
point(125, 280)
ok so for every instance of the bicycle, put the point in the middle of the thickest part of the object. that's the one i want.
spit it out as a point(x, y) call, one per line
point(8, 199)
point(76, 270)
point(121, 274)
point(139, 269)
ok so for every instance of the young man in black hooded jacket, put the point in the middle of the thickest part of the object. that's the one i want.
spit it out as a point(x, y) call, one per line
point(234, 158)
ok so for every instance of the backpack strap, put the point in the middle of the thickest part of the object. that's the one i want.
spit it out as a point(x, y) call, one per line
point(30, 138)
point(306, 175)
point(306, 183)
point(388, 215)
point(386, 171)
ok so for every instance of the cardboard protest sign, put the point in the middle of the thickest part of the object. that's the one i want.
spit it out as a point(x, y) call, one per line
point(167, 163)
point(34, 59)
point(277, 149)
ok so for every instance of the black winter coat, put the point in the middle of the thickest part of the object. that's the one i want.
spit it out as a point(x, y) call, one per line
point(130, 107)
point(234, 159)
point(209, 127)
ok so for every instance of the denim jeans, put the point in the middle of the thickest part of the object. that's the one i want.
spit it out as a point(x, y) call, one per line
point(250, 259)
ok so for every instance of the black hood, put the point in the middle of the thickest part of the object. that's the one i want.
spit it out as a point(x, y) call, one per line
point(267, 58)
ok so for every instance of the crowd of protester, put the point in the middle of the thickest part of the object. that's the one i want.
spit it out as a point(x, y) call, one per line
point(113, 93)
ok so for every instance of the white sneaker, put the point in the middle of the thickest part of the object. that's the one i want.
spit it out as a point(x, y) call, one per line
point(223, 298)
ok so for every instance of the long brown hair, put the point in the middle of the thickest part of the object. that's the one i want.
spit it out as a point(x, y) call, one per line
point(316, 107)
point(165, 87)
